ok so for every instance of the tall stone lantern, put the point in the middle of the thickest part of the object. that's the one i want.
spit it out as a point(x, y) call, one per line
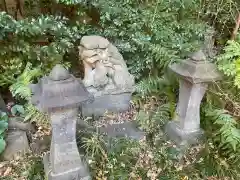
point(194, 75)
point(60, 95)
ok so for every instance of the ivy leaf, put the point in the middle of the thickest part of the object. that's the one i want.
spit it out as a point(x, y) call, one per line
point(3, 116)
point(2, 145)
point(3, 126)
point(17, 109)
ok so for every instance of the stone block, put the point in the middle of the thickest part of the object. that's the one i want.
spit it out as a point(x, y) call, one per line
point(126, 129)
point(17, 144)
point(107, 103)
point(183, 137)
point(78, 173)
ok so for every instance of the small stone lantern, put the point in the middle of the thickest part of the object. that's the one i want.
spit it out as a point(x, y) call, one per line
point(60, 95)
point(194, 76)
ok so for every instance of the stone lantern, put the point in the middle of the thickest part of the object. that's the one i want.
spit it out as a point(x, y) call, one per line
point(60, 95)
point(194, 75)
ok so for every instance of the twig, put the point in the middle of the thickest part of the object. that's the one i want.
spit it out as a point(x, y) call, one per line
point(234, 34)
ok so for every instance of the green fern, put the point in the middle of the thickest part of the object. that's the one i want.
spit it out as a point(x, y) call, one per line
point(154, 85)
point(20, 87)
point(228, 135)
point(229, 61)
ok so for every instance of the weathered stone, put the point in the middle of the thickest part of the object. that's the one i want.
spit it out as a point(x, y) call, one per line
point(195, 74)
point(183, 137)
point(126, 129)
point(16, 123)
point(17, 144)
point(196, 69)
point(105, 73)
point(107, 103)
point(209, 48)
point(94, 42)
point(73, 174)
point(59, 73)
point(60, 94)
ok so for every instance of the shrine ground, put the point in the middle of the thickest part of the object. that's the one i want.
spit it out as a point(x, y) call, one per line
point(151, 157)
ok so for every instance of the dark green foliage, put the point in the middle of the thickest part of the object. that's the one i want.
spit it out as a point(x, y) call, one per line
point(19, 44)
point(150, 35)
point(225, 131)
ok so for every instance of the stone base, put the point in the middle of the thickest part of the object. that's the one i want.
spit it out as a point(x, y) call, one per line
point(182, 137)
point(17, 144)
point(107, 103)
point(126, 129)
point(80, 173)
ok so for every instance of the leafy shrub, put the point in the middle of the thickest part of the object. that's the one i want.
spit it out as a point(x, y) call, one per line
point(19, 44)
point(150, 35)
point(225, 130)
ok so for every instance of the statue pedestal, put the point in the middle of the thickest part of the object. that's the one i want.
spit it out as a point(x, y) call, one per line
point(107, 103)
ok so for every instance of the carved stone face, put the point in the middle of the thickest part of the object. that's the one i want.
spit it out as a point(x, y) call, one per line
point(95, 55)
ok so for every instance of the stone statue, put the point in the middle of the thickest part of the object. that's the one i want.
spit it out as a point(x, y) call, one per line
point(104, 67)
point(105, 71)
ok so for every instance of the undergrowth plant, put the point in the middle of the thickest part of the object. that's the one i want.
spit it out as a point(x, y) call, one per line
point(226, 132)
point(220, 117)
point(21, 91)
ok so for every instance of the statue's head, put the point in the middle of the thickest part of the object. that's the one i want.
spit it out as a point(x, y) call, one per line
point(94, 49)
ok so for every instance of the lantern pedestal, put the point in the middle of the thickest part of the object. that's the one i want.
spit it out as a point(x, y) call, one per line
point(75, 174)
point(64, 162)
point(181, 136)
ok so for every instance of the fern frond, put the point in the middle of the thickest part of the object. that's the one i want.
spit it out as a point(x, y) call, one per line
point(35, 115)
point(228, 133)
point(229, 61)
point(153, 85)
point(20, 87)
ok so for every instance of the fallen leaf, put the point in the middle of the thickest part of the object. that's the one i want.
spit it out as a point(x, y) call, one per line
point(7, 172)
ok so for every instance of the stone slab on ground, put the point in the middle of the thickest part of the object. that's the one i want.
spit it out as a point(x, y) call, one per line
point(127, 129)
point(17, 144)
